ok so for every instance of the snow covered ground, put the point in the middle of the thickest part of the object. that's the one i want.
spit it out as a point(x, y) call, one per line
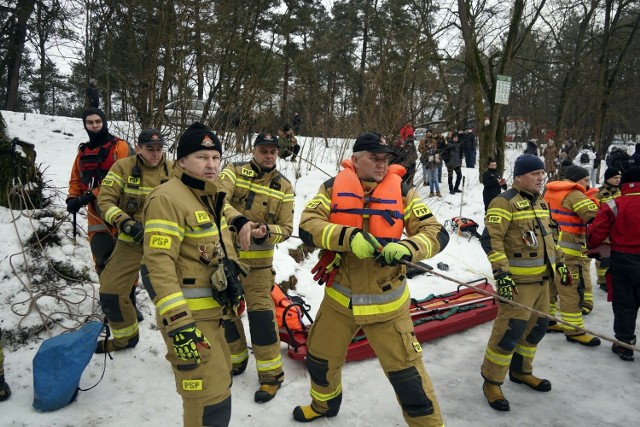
point(591, 386)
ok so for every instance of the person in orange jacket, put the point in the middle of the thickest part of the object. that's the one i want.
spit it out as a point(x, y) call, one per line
point(93, 161)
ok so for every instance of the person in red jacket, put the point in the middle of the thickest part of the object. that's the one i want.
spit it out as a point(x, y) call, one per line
point(617, 220)
point(406, 131)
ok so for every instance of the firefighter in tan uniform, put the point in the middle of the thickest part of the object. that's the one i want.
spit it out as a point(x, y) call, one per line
point(520, 242)
point(360, 216)
point(5, 391)
point(259, 192)
point(609, 191)
point(573, 210)
point(121, 200)
point(188, 270)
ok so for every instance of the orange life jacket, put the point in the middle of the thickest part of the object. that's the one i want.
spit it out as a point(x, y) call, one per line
point(384, 207)
point(95, 163)
point(294, 314)
point(568, 220)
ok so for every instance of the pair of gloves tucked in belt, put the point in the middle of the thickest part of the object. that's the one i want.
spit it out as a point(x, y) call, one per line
point(506, 287)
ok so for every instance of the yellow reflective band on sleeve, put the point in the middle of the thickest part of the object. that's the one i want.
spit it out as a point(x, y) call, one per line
point(324, 397)
point(496, 256)
point(499, 212)
point(588, 203)
point(142, 191)
point(201, 217)
point(117, 179)
point(159, 242)
point(169, 302)
point(497, 358)
point(269, 365)
point(319, 199)
point(166, 227)
point(326, 235)
point(256, 254)
point(201, 232)
point(126, 238)
point(427, 242)
point(196, 304)
point(288, 198)
point(278, 237)
point(112, 212)
point(229, 174)
point(192, 385)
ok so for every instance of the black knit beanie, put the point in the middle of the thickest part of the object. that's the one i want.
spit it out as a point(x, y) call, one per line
point(197, 137)
point(610, 173)
point(631, 175)
point(575, 173)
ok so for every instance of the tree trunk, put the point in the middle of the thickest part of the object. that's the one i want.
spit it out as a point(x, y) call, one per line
point(24, 9)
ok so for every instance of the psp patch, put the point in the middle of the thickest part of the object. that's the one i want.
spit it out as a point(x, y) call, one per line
point(160, 242)
point(248, 172)
point(417, 347)
point(202, 217)
point(107, 182)
point(523, 204)
point(133, 180)
point(421, 211)
point(192, 385)
point(312, 204)
point(495, 219)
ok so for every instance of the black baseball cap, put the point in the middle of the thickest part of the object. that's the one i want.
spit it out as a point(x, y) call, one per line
point(266, 138)
point(372, 142)
point(150, 136)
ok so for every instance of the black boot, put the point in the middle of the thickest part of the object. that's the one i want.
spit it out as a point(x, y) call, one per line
point(5, 391)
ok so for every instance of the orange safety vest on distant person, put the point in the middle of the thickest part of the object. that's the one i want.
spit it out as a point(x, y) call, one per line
point(569, 221)
point(384, 207)
point(94, 163)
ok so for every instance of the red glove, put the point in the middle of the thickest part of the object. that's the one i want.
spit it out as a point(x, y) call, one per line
point(325, 270)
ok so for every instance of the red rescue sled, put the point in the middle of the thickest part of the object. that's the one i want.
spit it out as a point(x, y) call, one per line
point(433, 317)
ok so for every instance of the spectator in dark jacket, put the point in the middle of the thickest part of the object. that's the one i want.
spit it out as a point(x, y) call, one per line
point(452, 156)
point(619, 159)
point(407, 156)
point(93, 96)
point(493, 183)
point(469, 148)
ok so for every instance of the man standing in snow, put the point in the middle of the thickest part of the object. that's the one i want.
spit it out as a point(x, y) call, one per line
point(258, 191)
point(121, 200)
point(91, 165)
point(5, 391)
point(191, 274)
point(520, 245)
point(362, 232)
point(617, 220)
point(572, 209)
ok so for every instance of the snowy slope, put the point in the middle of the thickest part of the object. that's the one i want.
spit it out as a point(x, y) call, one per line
point(591, 386)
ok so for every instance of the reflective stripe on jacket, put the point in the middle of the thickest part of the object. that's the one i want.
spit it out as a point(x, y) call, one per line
point(362, 287)
point(264, 197)
point(182, 249)
point(126, 187)
point(511, 222)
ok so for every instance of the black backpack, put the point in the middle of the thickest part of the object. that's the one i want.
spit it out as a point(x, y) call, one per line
point(584, 158)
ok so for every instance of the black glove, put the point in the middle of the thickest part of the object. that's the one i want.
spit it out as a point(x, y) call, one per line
point(75, 203)
point(505, 286)
point(134, 229)
point(234, 292)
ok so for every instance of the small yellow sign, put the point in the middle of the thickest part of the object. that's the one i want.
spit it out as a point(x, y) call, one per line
point(202, 217)
point(160, 242)
point(192, 385)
